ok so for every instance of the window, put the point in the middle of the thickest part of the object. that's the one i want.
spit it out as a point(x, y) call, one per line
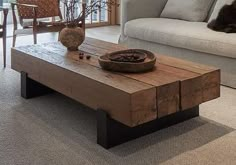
point(100, 18)
point(5, 2)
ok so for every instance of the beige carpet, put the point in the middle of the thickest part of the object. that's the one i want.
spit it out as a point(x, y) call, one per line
point(55, 130)
point(220, 151)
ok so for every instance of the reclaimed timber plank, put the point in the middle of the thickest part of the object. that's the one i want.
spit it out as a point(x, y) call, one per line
point(89, 85)
point(194, 90)
point(201, 90)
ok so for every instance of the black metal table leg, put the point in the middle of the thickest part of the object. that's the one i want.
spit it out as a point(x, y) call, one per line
point(31, 88)
point(111, 133)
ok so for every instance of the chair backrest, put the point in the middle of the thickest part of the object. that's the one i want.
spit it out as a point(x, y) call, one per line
point(46, 8)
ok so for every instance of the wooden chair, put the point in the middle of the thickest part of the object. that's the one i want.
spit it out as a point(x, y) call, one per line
point(31, 12)
point(3, 33)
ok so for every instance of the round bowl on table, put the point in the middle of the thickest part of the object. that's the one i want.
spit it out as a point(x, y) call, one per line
point(128, 67)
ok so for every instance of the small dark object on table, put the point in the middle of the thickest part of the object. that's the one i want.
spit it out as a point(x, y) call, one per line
point(81, 55)
point(88, 57)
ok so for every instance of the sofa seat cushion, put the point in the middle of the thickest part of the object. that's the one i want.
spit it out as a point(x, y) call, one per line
point(183, 34)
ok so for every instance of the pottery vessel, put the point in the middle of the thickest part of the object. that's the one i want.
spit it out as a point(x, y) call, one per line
point(72, 37)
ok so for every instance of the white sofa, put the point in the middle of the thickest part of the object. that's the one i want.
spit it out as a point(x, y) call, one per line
point(143, 28)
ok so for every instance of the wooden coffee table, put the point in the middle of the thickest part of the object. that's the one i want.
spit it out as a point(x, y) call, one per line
point(128, 105)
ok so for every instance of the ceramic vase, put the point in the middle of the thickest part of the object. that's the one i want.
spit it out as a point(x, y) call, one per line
point(72, 37)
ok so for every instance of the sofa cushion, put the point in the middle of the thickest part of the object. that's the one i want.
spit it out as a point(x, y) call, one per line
point(189, 10)
point(218, 6)
point(183, 34)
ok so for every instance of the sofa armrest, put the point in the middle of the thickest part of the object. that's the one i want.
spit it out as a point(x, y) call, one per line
point(133, 9)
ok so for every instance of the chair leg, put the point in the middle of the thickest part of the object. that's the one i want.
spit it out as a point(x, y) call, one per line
point(14, 41)
point(4, 51)
point(35, 37)
point(59, 35)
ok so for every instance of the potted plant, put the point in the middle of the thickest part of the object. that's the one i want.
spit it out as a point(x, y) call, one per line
point(73, 35)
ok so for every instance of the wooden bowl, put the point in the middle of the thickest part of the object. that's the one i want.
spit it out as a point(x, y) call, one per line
point(128, 67)
point(130, 55)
